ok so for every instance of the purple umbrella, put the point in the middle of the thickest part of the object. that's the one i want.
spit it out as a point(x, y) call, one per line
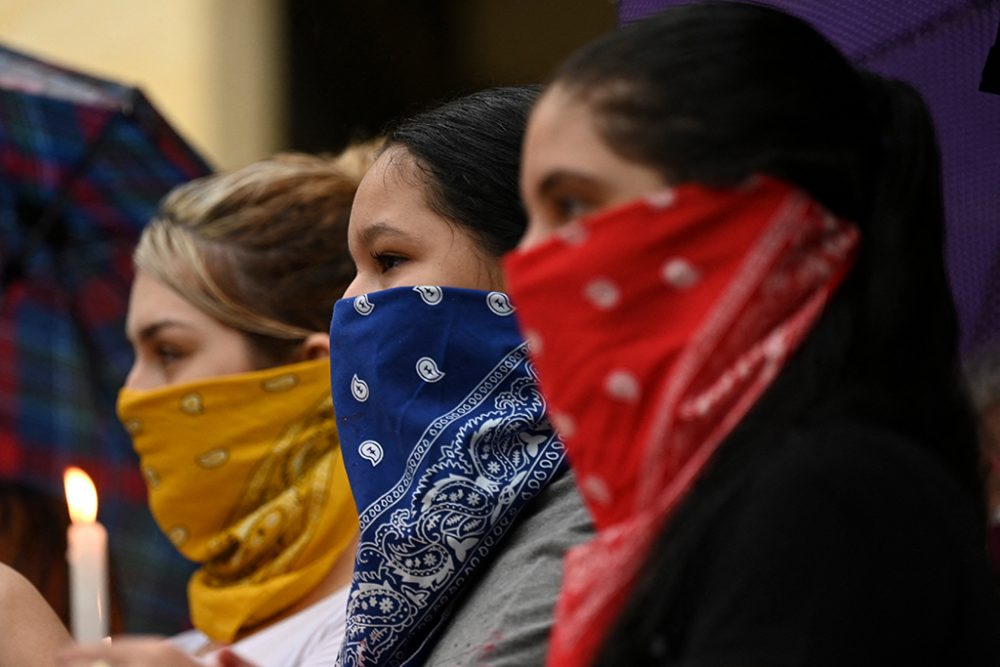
point(940, 47)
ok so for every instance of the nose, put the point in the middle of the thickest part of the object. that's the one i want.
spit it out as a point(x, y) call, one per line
point(138, 377)
point(356, 288)
point(533, 235)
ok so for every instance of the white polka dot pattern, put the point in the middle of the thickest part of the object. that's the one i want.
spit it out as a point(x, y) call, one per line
point(535, 343)
point(499, 304)
point(596, 489)
point(430, 294)
point(572, 233)
point(680, 273)
point(371, 451)
point(564, 424)
point(623, 386)
point(359, 389)
point(662, 200)
point(363, 305)
point(602, 293)
point(428, 370)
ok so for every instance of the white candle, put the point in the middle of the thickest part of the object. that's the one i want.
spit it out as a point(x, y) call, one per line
point(87, 553)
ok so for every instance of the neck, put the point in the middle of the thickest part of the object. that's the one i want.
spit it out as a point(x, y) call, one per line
point(338, 577)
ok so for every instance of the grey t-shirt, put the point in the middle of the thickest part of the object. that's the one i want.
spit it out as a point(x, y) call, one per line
point(504, 618)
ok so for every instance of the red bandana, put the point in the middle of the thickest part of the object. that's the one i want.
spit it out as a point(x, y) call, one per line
point(654, 328)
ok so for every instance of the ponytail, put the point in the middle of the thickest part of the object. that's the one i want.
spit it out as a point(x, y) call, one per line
point(905, 234)
point(907, 308)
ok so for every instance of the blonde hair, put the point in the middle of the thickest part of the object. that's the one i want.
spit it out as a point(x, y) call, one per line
point(262, 249)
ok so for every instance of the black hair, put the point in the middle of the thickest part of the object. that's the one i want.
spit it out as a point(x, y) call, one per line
point(469, 153)
point(715, 92)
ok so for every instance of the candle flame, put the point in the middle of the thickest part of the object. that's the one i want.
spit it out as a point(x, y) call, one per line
point(81, 495)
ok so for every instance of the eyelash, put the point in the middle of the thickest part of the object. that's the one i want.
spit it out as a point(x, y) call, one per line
point(167, 354)
point(570, 207)
point(387, 260)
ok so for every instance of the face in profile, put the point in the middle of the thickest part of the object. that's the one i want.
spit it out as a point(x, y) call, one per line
point(397, 240)
point(175, 342)
point(568, 171)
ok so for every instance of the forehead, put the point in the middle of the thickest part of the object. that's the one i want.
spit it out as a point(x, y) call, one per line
point(394, 182)
point(564, 143)
point(562, 133)
point(392, 197)
point(151, 301)
point(556, 115)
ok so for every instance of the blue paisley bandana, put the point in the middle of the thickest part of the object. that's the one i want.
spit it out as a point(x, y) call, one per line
point(445, 440)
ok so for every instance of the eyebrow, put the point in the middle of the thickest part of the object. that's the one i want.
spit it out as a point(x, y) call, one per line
point(370, 234)
point(560, 177)
point(150, 330)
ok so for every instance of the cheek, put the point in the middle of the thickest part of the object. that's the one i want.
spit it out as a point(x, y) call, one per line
point(474, 269)
point(229, 355)
point(240, 359)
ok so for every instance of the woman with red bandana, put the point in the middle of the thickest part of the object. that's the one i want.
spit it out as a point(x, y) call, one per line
point(734, 291)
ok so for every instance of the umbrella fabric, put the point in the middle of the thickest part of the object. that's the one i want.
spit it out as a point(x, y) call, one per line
point(941, 48)
point(83, 163)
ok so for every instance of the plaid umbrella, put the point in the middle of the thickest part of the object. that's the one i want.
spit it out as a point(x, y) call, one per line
point(941, 48)
point(83, 163)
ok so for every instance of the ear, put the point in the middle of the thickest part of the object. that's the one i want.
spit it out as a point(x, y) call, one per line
point(315, 346)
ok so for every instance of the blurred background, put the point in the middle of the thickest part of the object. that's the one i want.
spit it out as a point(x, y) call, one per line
point(241, 79)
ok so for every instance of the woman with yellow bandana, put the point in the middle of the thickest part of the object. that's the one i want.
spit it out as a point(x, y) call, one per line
point(228, 404)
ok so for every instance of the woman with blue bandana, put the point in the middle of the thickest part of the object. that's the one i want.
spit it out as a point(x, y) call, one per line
point(466, 504)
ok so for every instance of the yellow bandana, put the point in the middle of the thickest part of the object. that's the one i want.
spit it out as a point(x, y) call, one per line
point(245, 476)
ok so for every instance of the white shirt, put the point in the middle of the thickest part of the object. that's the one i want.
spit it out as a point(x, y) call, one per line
point(310, 638)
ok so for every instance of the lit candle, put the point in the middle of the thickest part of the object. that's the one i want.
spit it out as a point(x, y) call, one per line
point(87, 553)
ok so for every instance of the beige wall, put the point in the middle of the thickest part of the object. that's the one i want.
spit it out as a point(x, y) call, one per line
point(212, 67)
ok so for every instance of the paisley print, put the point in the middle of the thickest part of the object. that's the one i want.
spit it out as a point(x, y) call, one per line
point(463, 445)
